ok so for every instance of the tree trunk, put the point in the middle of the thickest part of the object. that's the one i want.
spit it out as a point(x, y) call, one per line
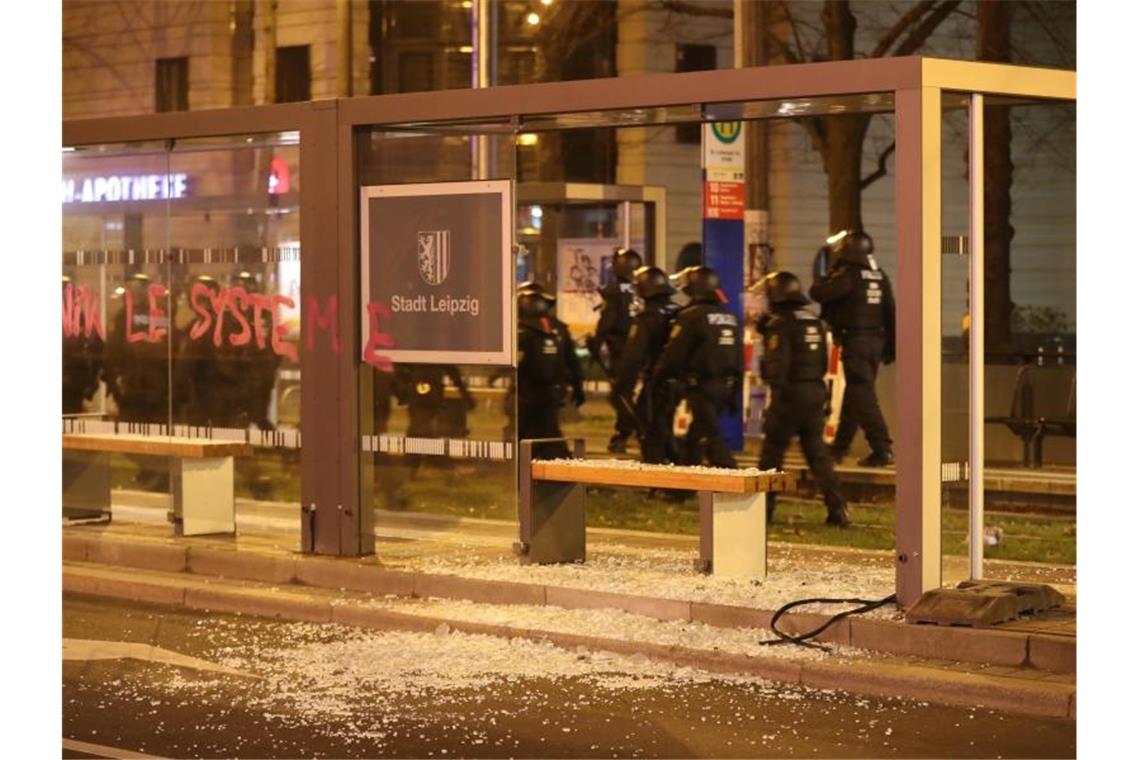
point(843, 134)
point(843, 162)
point(994, 45)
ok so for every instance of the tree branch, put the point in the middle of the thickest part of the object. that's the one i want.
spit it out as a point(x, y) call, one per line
point(920, 34)
point(879, 173)
point(816, 128)
point(905, 21)
point(694, 9)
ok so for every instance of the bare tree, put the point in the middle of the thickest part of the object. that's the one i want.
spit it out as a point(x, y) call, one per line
point(994, 45)
point(839, 138)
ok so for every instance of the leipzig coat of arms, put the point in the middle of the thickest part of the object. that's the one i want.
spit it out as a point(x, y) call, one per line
point(434, 254)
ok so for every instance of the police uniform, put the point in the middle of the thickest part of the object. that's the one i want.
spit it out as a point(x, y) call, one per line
point(646, 341)
point(793, 366)
point(857, 299)
point(612, 331)
point(704, 352)
point(544, 375)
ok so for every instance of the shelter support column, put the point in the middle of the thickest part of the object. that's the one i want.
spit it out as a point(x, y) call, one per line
point(918, 439)
point(332, 520)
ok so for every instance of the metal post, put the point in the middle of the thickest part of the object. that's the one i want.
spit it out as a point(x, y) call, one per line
point(918, 485)
point(977, 335)
point(625, 224)
point(480, 78)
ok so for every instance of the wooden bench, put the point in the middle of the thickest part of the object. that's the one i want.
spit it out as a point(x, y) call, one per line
point(201, 475)
point(733, 508)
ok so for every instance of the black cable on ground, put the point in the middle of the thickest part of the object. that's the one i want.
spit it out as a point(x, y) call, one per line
point(802, 639)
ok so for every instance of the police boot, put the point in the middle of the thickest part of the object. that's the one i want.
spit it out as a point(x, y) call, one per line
point(837, 511)
point(838, 454)
point(838, 517)
point(878, 459)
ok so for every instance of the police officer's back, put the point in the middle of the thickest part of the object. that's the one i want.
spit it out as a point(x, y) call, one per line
point(704, 352)
point(647, 338)
point(612, 331)
point(856, 297)
point(543, 373)
point(793, 365)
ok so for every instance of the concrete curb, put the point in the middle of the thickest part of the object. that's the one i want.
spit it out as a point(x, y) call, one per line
point(980, 646)
point(1032, 697)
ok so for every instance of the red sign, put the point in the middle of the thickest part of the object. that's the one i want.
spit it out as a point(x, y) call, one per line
point(724, 200)
point(278, 176)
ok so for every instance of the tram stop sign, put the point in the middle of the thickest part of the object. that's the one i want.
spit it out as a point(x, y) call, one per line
point(436, 272)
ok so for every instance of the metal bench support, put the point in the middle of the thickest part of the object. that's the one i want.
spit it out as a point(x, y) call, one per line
point(552, 516)
point(734, 534)
point(203, 494)
point(86, 486)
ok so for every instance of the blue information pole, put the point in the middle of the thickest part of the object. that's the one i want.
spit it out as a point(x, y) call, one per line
point(722, 231)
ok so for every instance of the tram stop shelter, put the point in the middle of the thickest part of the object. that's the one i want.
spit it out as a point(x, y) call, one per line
point(345, 144)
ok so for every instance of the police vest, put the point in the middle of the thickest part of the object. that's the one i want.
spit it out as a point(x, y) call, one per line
point(808, 346)
point(719, 353)
point(863, 308)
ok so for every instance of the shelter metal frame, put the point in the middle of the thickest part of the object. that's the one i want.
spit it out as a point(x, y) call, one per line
point(333, 493)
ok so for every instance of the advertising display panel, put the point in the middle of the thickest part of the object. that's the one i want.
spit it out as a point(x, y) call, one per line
point(436, 273)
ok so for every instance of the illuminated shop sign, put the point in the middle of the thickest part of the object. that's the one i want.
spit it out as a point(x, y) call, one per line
point(140, 187)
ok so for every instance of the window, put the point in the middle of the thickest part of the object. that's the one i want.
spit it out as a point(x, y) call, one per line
point(693, 58)
point(172, 84)
point(294, 77)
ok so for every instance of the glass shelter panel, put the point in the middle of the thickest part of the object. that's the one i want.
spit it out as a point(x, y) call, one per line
point(236, 270)
point(1029, 373)
point(438, 434)
point(116, 326)
point(181, 268)
point(1031, 328)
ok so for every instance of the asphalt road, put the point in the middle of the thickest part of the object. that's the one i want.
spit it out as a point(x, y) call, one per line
point(178, 683)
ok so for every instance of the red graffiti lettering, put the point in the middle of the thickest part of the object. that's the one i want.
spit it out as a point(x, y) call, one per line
point(202, 323)
point(238, 301)
point(261, 304)
point(129, 309)
point(69, 312)
point(154, 292)
point(322, 321)
point(377, 338)
point(92, 322)
point(280, 347)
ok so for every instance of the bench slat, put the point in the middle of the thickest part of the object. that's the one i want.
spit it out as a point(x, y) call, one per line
point(665, 477)
point(187, 448)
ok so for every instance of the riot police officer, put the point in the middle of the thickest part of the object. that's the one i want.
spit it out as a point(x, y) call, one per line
point(611, 331)
point(793, 366)
point(569, 353)
point(646, 340)
point(543, 373)
point(704, 352)
point(856, 297)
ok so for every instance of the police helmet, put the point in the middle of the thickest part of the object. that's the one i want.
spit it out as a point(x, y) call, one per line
point(534, 302)
point(782, 288)
point(626, 261)
point(652, 281)
point(700, 283)
point(854, 246)
point(691, 255)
